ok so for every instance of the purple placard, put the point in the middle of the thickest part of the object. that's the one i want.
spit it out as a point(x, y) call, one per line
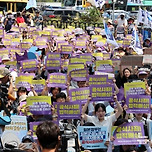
point(17, 50)
point(80, 94)
point(138, 103)
point(25, 46)
point(54, 56)
point(80, 44)
point(79, 75)
point(87, 57)
point(66, 49)
point(64, 64)
point(4, 51)
point(68, 110)
point(98, 79)
point(106, 56)
point(53, 64)
point(29, 65)
point(21, 57)
point(41, 43)
point(57, 80)
point(60, 43)
point(7, 42)
point(104, 67)
point(129, 134)
point(40, 108)
point(102, 92)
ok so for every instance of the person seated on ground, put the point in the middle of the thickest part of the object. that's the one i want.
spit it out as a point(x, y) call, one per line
point(48, 135)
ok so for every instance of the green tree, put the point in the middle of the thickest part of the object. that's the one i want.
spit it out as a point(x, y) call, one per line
point(92, 15)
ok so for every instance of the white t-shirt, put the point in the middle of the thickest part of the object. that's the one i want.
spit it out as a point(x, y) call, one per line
point(122, 22)
point(108, 121)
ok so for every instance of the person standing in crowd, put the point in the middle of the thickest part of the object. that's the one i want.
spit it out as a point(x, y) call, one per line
point(19, 18)
point(99, 118)
point(48, 135)
point(121, 24)
point(131, 25)
point(38, 20)
point(8, 21)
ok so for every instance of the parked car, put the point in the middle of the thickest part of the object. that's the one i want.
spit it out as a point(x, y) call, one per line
point(63, 13)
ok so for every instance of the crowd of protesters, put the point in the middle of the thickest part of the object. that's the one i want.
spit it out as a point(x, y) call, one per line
point(24, 27)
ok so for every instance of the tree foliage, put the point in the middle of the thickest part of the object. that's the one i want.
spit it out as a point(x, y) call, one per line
point(92, 15)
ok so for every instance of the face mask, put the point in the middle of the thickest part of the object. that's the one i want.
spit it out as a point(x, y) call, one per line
point(122, 17)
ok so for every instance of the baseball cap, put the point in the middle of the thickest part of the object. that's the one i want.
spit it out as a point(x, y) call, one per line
point(4, 72)
point(142, 73)
point(27, 137)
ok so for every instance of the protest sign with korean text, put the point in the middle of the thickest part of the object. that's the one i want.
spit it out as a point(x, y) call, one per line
point(129, 134)
point(39, 105)
point(76, 59)
point(53, 61)
point(4, 51)
point(41, 43)
point(79, 75)
point(102, 92)
point(57, 80)
point(25, 46)
point(7, 42)
point(18, 126)
point(61, 43)
point(138, 103)
point(68, 110)
point(134, 88)
point(87, 57)
point(99, 56)
point(33, 126)
point(53, 64)
point(104, 65)
point(64, 64)
point(66, 49)
point(38, 85)
point(23, 81)
point(17, 50)
point(80, 94)
point(98, 79)
point(92, 137)
point(80, 44)
point(72, 67)
point(29, 65)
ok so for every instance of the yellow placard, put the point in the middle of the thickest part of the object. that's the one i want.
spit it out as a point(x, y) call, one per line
point(98, 37)
point(16, 40)
point(40, 99)
point(101, 62)
point(98, 55)
point(128, 87)
point(7, 42)
point(75, 66)
point(27, 41)
point(14, 63)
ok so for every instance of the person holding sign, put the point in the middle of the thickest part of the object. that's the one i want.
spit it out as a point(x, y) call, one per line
point(99, 118)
